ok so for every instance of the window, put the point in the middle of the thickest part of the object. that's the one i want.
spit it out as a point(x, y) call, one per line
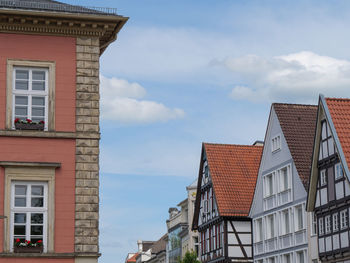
point(299, 218)
point(285, 222)
point(286, 258)
point(313, 224)
point(323, 179)
point(276, 143)
point(259, 230)
point(327, 221)
point(338, 171)
point(269, 185)
point(343, 219)
point(270, 226)
point(28, 211)
point(31, 92)
point(271, 260)
point(320, 226)
point(335, 222)
point(284, 178)
point(300, 257)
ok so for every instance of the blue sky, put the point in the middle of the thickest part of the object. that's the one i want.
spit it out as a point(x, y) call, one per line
point(183, 72)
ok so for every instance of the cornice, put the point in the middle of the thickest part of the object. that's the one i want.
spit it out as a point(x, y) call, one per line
point(104, 28)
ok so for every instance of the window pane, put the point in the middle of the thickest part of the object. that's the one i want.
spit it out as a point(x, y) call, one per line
point(37, 218)
point(38, 85)
point(20, 217)
point(38, 111)
point(38, 75)
point(38, 101)
point(21, 100)
point(37, 119)
point(20, 230)
point(37, 190)
point(36, 230)
point(20, 110)
point(21, 84)
point(324, 149)
point(37, 202)
point(331, 146)
point(20, 201)
point(22, 74)
point(20, 190)
point(324, 132)
point(36, 239)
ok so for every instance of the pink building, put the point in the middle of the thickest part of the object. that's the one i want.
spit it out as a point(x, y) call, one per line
point(49, 129)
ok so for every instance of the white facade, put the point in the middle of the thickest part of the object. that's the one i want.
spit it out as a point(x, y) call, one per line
point(280, 221)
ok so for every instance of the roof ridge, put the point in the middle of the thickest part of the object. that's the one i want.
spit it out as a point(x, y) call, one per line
point(341, 99)
point(227, 144)
point(294, 104)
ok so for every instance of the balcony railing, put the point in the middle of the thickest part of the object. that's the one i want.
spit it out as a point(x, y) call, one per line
point(56, 7)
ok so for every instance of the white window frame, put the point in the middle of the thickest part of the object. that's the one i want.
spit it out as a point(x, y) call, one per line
point(323, 177)
point(344, 219)
point(296, 217)
point(28, 210)
point(276, 143)
point(267, 191)
point(313, 224)
point(327, 223)
point(270, 226)
point(259, 230)
point(335, 222)
point(285, 256)
point(30, 92)
point(51, 82)
point(320, 226)
point(281, 178)
point(338, 171)
point(298, 253)
point(285, 226)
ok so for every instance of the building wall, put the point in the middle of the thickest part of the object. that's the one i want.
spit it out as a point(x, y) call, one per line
point(262, 209)
point(62, 51)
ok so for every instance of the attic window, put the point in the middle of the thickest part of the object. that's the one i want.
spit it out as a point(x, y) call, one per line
point(276, 143)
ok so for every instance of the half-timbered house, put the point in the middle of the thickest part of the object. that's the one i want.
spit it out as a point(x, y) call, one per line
point(226, 183)
point(329, 191)
point(280, 222)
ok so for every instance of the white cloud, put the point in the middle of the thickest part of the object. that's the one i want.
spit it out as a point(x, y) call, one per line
point(294, 77)
point(121, 101)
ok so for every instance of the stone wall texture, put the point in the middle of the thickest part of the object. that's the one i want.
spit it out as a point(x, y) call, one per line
point(87, 146)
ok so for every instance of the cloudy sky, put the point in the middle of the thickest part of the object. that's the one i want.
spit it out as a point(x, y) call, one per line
point(183, 72)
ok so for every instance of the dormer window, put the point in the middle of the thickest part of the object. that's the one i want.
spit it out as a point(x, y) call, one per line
point(276, 143)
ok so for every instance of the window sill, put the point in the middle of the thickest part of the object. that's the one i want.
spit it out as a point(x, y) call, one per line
point(37, 255)
point(276, 151)
point(50, 134)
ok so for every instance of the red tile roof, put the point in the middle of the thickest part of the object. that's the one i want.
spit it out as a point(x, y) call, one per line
point(298, 124)
point(233, 170)
point(339, 110)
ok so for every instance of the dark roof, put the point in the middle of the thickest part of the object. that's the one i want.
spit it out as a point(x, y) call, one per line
point(298, 124)
point(233, 170)
point(54, 6)
point(159, 245)
point(146, 245)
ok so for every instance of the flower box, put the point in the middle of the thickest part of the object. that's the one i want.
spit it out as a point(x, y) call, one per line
point(29, 126)
point(28, 249)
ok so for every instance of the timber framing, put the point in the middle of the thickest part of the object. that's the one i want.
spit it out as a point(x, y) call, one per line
point(105, 27)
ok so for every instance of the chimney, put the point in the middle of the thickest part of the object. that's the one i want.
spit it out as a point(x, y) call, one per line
point(139, 245)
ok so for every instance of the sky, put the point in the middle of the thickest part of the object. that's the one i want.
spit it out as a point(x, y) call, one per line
point(185, 72)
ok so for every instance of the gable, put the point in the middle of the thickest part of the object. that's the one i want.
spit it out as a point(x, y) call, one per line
point(334, 112)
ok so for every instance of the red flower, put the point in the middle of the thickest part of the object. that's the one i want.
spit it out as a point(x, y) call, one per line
point(17, 240)
point(39, 241)
point(17, 120)
point(42, 122)
point(29, 120)
point(28, 242)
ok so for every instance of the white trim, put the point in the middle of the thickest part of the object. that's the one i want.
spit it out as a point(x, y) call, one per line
point(276, 143)
point(28, 210)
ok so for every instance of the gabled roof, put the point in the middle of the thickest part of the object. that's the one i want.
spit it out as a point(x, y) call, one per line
point(298, 125)
point(339, 110)
point(160, 245)
point(55, 6)
point(233, 170)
